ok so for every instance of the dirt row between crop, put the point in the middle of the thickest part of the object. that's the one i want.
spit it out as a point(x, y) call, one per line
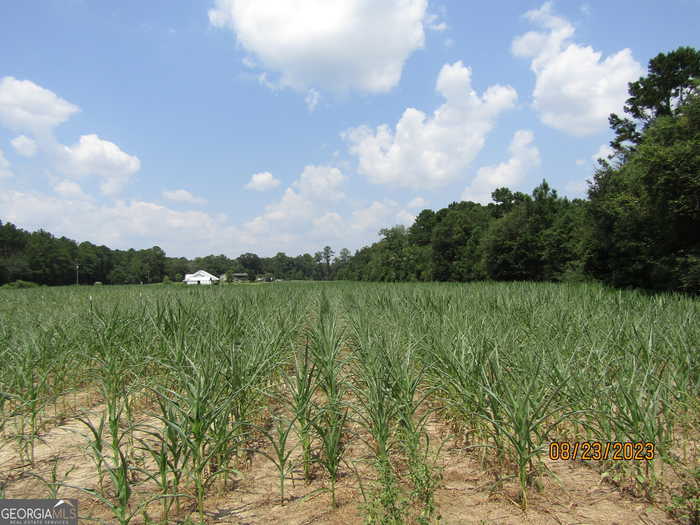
point(467, 493)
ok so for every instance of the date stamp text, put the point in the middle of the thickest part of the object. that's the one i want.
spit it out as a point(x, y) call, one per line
point(597, 450)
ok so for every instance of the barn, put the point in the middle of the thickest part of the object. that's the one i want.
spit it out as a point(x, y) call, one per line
point(200, 277)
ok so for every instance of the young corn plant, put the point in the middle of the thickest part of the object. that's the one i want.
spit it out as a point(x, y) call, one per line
point(377, 411)
point(190, 416)
point(55, 481)
point(110, 459)
point(302, 385)
point(527, 414)
point(378, 414)
point(32, 372)
point(158, 452)
point(389, 379)
point(642, 414)
point(424, 474)
point(244, 370)
point(169, 455)
point(120, 503)
point(326, 343)
point(250, 353)
point(453, 364)
point(281, 451)
point(329, 427)
point(413, 436)
point(112, 358)
point(97, 446)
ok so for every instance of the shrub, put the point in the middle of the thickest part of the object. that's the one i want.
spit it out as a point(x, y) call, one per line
point(21, 284)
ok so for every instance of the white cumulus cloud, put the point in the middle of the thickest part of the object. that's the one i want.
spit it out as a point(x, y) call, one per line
point(330, 44)
point(25, 106)
point(262, 181)
point(122, 224)
point(24, 145)
point(375, 216)
point(69, 189)
point(330, 225)
point(418, 202)
point(576, 89)
point(405, 217)
point(183, 196)
point(308, 214)
point(604, 151)
point(93, 156)
point(304, 200)
point(289, 212)
point(321, 183)
point(524, 156)
point(28, 107)
point(429, 152)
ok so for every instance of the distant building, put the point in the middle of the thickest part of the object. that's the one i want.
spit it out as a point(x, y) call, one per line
point(201, 277)
point(238, 277)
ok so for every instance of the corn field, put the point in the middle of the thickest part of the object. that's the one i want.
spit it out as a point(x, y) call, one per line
point(360, 400)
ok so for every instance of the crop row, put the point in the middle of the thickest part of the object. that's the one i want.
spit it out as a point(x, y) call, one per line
point(177, 388)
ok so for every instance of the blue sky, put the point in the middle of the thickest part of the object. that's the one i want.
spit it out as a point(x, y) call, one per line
point(230, 126)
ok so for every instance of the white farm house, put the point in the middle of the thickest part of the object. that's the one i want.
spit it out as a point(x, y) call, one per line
point(200, 277)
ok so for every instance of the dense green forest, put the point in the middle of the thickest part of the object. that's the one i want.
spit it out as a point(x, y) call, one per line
point(639, 227)
point(42, 258)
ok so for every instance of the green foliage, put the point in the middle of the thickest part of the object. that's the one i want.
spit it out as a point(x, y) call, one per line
point(42, 258)
point(510, 252)
point(455, 242)
point(20, 284)
point(421, 231)
point(671, 81)
point(645, 213)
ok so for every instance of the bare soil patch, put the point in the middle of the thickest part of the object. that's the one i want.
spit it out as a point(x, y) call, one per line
point(575, 494)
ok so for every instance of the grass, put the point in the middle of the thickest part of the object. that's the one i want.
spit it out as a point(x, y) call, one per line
point(190, 380)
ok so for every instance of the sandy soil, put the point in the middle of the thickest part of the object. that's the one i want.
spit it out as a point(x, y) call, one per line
point(576, 494)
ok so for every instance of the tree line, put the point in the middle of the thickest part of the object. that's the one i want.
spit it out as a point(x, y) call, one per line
point(42, 258)
point(639, 226)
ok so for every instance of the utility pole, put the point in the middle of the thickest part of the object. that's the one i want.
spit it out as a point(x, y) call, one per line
point(76, 274)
